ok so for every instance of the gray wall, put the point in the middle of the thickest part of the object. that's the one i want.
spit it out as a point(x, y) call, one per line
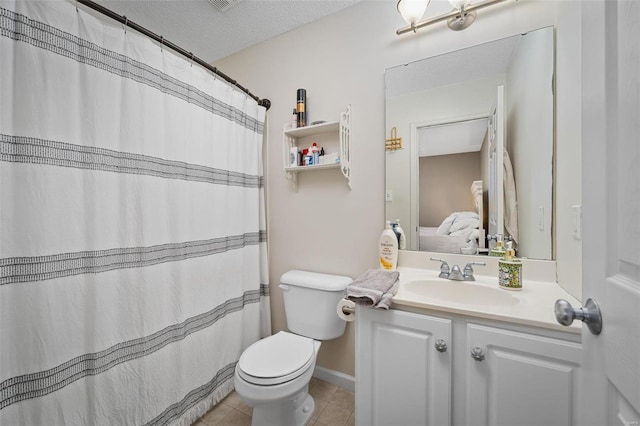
point(445, 185)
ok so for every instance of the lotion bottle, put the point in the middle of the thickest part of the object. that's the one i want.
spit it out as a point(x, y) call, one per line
point(388, 249)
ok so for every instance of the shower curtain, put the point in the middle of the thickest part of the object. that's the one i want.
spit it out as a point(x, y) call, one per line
point(133, 265)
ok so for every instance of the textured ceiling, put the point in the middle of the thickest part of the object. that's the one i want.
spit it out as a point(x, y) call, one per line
point(198, 27)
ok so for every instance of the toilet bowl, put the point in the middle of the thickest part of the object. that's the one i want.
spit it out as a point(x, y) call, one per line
point(273, 377)
point(273, 374)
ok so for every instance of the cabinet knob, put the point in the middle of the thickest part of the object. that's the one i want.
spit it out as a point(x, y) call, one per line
point(441, 345)
point(477, 354)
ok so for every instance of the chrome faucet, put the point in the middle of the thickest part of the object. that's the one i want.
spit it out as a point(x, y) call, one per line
point(455, 273)
point(444, 267)
point(467, 273)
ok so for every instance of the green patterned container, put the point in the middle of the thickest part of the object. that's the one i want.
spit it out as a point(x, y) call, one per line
point(499, 250)
point(510, 272)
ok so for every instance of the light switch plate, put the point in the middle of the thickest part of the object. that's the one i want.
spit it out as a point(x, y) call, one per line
point(576, 222)
point(388, 195)
point(541, 218)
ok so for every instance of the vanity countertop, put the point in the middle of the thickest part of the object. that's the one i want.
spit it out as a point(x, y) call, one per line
point(532, 306)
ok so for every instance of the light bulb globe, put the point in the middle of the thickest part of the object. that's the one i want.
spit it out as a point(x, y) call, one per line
point(459, 4)
point(412, 10)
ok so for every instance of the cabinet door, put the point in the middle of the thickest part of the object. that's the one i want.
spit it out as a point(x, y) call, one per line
point(522, 380)
point(402, 379)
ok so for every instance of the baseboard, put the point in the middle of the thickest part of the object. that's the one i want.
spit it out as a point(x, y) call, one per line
point(335, 377)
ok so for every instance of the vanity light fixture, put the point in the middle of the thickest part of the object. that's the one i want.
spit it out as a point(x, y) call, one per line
point(462, 16)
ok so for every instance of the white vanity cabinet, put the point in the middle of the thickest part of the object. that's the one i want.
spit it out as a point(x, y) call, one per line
point(401, 378)
point(524, 379)
point(520, 375)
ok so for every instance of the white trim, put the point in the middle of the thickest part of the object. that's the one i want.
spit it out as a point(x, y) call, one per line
point(415, 165)
point(335, 377)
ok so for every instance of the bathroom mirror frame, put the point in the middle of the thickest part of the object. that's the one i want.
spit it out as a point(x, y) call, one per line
point(429, 90)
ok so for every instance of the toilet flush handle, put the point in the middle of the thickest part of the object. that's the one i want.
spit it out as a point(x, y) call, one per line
point(284, 287)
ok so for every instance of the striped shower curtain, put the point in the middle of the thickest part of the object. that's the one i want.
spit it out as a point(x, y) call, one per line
point(132, 229)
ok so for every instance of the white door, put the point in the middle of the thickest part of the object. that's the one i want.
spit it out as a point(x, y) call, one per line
point(611, 209)
point(496, 133)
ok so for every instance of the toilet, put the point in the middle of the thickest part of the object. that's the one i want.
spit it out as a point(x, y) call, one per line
point(273, 374)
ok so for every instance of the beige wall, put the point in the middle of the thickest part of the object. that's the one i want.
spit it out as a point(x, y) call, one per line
point(530, 140)
point(445, 185)
point(340, 60)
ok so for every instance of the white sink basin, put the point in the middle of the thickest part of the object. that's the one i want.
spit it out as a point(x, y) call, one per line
point(464, 292)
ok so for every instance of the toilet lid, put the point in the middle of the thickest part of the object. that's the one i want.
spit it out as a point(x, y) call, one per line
point(276, 359)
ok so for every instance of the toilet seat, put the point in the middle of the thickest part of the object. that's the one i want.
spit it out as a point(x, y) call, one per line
point(276, 359)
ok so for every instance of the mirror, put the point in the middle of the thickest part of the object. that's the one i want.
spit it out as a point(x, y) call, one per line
point(477, 130)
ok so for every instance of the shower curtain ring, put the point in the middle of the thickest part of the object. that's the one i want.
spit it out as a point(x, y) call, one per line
point(161, 43)
point(191, 53)
point(126, 23)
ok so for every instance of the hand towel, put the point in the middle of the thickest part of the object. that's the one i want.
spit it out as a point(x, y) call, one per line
point(374, 288)
point(510, 202)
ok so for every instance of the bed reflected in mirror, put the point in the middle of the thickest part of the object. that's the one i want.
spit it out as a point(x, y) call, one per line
point(450, 178)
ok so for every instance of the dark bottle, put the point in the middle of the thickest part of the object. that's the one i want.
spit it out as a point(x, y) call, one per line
point(394, 228)
point(301, 107)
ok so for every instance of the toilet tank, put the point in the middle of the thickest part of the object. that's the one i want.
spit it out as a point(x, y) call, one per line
point(310, 303)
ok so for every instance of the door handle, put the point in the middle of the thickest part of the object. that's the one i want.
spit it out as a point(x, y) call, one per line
point(589, 314)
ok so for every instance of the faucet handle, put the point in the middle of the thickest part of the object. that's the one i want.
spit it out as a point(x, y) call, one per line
point(468, 270)
point(444, 267)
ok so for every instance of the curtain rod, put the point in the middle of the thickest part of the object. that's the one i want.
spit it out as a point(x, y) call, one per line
point(125, 21)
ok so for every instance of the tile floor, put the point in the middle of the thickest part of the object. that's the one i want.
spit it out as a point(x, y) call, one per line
point(334, 407)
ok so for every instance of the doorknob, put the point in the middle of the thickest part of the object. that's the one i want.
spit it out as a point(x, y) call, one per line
point(590, 314)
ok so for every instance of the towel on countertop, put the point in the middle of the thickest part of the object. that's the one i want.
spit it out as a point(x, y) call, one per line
point(375, 288)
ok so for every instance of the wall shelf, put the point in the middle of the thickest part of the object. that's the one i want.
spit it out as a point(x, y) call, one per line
point(311, 168)
point(316, 129)
point(340, 130)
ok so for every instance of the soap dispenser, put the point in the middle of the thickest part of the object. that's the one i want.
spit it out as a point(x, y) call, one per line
point(510, 270)
point(499, 249)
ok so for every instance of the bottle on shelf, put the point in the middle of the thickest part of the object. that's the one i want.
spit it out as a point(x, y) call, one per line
point(301, 106)
point(315, 152)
